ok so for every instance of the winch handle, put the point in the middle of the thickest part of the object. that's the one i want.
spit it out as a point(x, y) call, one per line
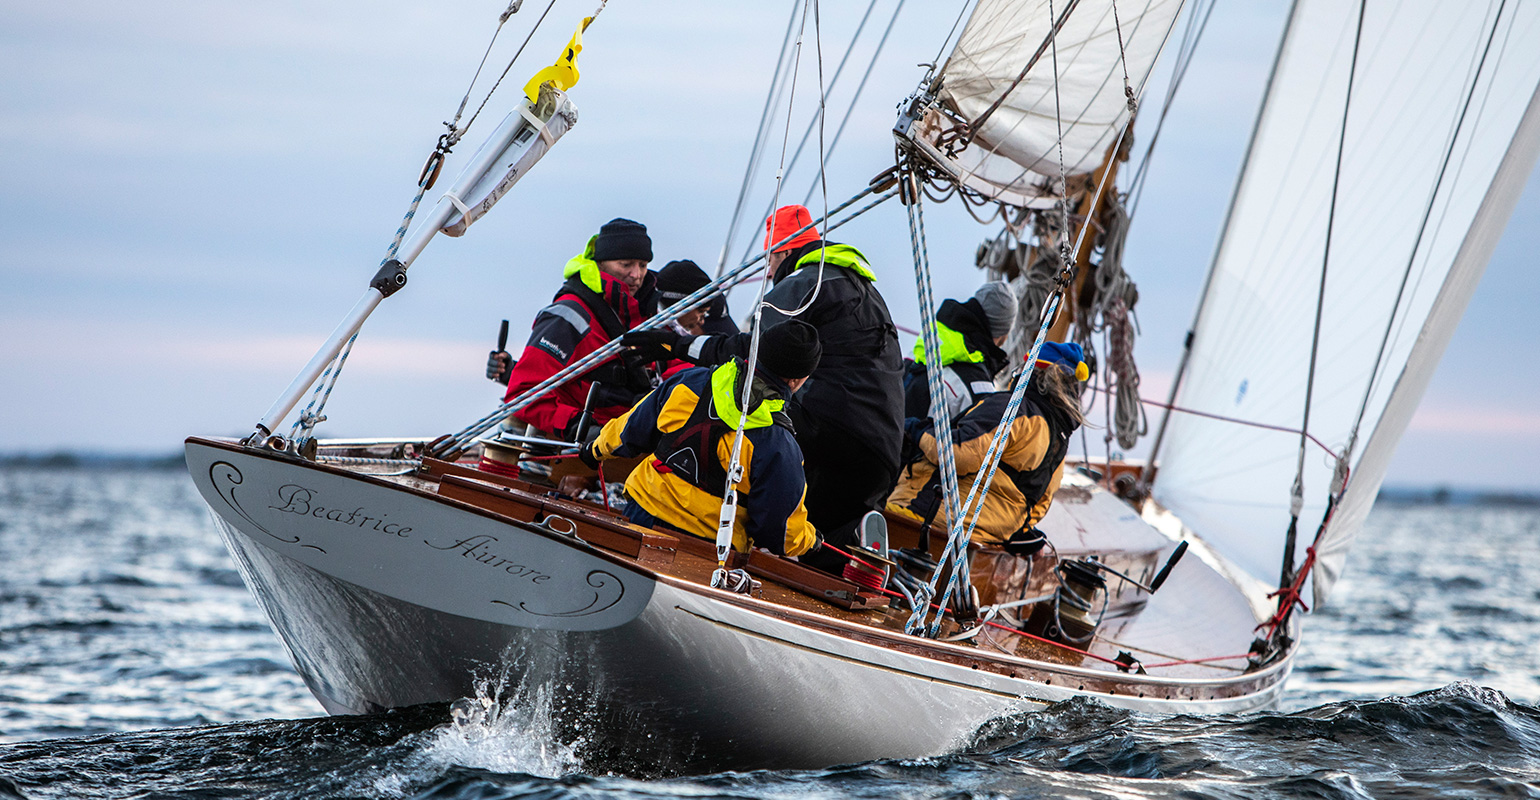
point(1176, 555)
point(502, 337)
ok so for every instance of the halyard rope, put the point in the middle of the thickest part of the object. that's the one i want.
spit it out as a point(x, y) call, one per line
point(941, 421)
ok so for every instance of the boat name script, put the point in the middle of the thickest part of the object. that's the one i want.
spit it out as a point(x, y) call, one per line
point(475, 548)
point(297, 499)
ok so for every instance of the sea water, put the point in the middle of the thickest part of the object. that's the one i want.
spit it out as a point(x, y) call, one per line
point(133, 663)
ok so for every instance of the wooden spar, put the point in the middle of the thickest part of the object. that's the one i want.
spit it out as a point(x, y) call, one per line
point(1092, 208)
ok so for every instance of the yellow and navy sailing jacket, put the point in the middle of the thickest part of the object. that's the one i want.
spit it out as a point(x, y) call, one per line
point(858, 384)
point(1029, 473)
point(688, 424)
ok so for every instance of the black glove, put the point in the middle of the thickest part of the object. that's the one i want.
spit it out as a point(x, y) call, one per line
point(637, 379)
point(1025, 542)
point(914, 429)
point(658, 344)
point(586, 452)
point(499, 366)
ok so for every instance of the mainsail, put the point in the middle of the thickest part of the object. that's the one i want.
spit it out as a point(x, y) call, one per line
point(1440, 135)
point(1014, 155)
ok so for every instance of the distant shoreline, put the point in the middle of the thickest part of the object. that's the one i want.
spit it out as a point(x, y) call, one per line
point(72, 460)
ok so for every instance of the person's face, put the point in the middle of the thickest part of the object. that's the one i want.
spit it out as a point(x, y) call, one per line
point(795, 383)
point(775, 260)
point(629, 272)
point(693, 321)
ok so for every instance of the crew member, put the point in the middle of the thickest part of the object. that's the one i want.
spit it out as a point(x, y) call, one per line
point(608, 290)
point(681, 278)
point(1029, 470)
point(970, 334)
point(688, 425)
point(849, 417)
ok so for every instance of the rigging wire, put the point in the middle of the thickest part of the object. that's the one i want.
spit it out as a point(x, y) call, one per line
point(1454, 137)
point(935, 63)
point(756, 151)
point(856, 98)
point(454, 136)
point(1185, 53)
point(720, 577)
point(818, 117)
point(1148, 473)
point(1296, 494)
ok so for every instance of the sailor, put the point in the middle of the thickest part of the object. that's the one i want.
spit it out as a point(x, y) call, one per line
point(608, 290)
point(681, 278)
point(1029, 470)
point(688, 426)
point(970, 335)
point(849, 416)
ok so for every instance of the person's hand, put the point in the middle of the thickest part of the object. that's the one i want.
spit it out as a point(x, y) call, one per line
point(1025, 542)
point(914, 429)
point(499, 365)
point(586, 453)
point(637, 379)
point(658, 344)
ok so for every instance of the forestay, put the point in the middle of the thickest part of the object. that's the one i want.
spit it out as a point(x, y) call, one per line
point(1440, 137)
point(1015, 153)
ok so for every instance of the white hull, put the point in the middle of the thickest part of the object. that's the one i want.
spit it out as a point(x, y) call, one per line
point(650, 666)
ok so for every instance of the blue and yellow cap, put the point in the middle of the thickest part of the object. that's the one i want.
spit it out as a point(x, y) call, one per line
point(1067, 355)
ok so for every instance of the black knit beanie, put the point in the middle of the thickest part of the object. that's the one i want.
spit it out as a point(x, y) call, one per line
point(680, 278)
point(790, 350)
point(623, 240)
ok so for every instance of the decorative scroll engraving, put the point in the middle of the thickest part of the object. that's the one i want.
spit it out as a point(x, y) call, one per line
point(225, 477)
point(600, 580)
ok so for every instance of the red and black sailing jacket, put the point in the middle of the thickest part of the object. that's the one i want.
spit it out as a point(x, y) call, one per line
point(590, 309)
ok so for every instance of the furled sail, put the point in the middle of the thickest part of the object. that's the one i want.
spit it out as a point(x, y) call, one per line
point(1441, 133)
point(1014, 155)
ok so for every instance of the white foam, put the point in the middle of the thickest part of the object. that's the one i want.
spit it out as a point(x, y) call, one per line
point(503, 732)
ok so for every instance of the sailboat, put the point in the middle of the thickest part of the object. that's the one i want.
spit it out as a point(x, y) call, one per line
point(1387, 157)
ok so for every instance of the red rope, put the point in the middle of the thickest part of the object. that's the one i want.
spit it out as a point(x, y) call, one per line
point(549, 458)
point(852, 557)
point(604, 491)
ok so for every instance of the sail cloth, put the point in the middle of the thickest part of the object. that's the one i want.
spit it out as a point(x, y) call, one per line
point(539, 125)
point(1420, 65)
point(1014, 155)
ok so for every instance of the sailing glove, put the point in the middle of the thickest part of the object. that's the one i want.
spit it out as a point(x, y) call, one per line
point(658, 344)
point(915, 428)
point(586, 451)
point(499, 366)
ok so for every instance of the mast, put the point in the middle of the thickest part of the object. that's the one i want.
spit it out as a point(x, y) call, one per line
point(1094, 206)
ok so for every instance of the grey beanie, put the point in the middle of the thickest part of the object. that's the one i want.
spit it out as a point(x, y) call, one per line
point(999, 303)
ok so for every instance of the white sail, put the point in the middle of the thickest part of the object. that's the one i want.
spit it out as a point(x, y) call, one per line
point(1440, 136)
point(1015, 152)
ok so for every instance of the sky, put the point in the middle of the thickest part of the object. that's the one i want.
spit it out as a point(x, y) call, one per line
point(197, 192)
